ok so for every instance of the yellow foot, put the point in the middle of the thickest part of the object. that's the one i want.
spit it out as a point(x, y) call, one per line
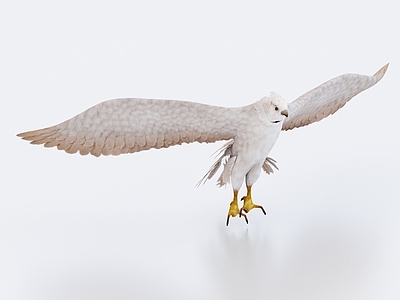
point(234, 209)
point(248, 203)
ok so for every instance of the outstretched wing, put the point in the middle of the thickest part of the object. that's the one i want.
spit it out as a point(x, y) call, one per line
point(131, 125)
point(327, 98)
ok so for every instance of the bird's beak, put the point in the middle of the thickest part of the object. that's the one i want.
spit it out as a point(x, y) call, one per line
point(285, 113)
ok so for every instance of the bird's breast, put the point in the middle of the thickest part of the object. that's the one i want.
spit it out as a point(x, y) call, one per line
point(254, 143)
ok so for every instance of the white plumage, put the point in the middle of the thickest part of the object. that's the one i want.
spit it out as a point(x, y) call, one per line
point(131, 125)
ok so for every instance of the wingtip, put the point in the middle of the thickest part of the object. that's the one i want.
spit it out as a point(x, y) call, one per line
point(382, 70)
point(27, 135)
point(23, 134)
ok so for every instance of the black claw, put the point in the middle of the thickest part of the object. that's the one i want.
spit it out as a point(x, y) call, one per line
point(245, 217)
point(247, 221)
point(262, 208)
point(227, 220)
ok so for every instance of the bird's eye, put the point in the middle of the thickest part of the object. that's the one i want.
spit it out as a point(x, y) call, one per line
point(276, 108)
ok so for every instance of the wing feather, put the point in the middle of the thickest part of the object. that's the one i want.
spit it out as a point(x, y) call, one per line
point(327, 98)
point(96, 151)
point(225, 176)
point(52, 143)
point(225, 152)
point(131, 125)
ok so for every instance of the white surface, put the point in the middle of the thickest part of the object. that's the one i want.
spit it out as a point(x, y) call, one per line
point(134, 226)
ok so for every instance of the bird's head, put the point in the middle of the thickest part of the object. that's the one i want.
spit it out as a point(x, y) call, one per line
point(275, 108)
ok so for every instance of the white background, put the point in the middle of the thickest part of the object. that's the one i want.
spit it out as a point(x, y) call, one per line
point(134, 226)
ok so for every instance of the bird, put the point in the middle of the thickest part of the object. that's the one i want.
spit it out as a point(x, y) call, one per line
point(128, 125)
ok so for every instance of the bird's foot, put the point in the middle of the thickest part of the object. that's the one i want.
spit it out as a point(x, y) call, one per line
point(249, 205)
point(234, 210)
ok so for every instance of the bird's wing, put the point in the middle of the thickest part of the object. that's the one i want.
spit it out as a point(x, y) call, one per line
point(327, 98)
point(131, 125)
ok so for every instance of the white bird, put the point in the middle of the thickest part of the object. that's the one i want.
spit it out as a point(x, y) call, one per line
point(131, 125)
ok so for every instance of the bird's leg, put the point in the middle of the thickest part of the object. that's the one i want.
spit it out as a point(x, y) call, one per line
point(248, 203)
point(234, 209)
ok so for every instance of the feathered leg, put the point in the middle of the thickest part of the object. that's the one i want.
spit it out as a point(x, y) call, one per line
point(234, 208)
point(248, 204)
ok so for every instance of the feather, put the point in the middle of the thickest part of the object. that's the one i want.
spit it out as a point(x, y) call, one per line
point(141, 141)
point(269, 161)
point(115, 151)
point(160, 141)
point(226, 173)
point(75, 147)
point(62, 137)
point(41, 140)
point(151, 140)
point(130, 140)
point(96, 151)
point(106, 150)
point(224, 152)
point(272, 162)
point(176, 139)
point(70, 139)
point(88, 143)
point(99, 142)
point(110, 141)
point(63, 146)
point(168, 139)
point(120, 142)
point(85, 150)
point(52, 143)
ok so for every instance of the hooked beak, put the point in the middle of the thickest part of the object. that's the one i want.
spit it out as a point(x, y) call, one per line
point(285, 113)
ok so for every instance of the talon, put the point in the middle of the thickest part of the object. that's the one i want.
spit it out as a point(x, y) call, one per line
point(243, 208)
point(245, 217)
point(248, 203)
point(234, 209)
